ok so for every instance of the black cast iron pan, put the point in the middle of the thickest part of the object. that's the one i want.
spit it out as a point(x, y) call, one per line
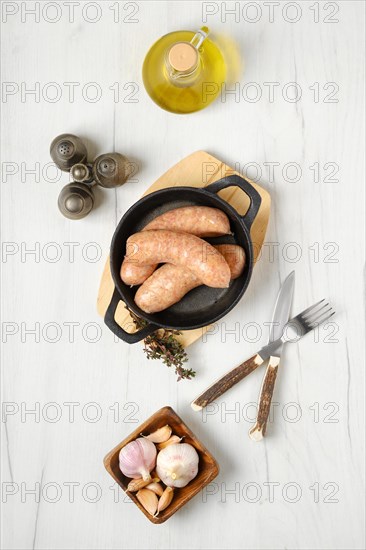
point(202, 305)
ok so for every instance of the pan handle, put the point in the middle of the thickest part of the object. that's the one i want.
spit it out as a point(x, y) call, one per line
point(130, 338)
point(236, 181)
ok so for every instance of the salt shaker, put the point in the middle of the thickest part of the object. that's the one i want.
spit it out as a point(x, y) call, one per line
point(110, 170)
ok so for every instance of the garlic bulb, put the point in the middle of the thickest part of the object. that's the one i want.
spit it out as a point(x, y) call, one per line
point(138, 458)
point(177, 464)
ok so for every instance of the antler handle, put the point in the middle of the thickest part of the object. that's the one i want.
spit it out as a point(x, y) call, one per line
point(226, 382)
point(258, 431)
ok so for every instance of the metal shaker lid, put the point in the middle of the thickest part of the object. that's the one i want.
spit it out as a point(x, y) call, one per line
point(76, 200)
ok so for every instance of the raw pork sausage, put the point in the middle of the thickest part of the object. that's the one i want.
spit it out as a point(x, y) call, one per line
point(133, 274)
point(202, 221)
point(234, 256)
point(170, 283)
point(183, 249)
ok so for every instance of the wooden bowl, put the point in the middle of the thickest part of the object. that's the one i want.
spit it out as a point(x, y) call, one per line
point(207, 467)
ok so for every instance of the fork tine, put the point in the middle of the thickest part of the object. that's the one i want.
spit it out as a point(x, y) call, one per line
point(311, 307)
point(318, 315)
point(310, 316)
point(320, 321)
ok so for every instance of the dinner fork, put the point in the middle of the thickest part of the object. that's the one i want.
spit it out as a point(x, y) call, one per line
point(299, 325)
point(294, 329)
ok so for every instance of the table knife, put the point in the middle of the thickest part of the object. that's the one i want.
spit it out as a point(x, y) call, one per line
point(281, 315)
point(238, 373)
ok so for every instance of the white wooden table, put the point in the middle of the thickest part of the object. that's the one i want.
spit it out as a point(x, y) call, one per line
point(70, 391)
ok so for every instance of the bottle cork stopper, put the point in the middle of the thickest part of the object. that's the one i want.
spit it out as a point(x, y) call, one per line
point(183, 56)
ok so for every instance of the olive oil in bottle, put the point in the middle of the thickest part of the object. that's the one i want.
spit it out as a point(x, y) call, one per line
point(183, 71)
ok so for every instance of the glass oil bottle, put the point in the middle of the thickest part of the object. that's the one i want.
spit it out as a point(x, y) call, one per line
point(183, 71)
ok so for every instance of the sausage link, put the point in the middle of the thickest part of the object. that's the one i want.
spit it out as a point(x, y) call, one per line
point(168, 284)
point(183, 249)
point(202, 221)
point(133, 274)
point(234, 256)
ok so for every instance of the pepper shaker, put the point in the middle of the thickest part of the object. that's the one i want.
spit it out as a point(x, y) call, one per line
point(109, 170)
point(76, 200)
point(67, 150)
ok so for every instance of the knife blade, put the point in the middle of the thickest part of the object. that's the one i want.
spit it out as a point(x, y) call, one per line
point(238, 373)
point(281, 312)
point(281, 315)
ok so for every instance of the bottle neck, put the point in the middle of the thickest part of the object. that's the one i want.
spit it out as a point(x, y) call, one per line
point(182, 63)
point(182, 60)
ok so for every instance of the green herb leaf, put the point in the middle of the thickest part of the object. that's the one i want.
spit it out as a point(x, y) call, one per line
point(164, 345)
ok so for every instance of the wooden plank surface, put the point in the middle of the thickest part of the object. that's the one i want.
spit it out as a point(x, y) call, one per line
point(197, 170)
point(303, 488)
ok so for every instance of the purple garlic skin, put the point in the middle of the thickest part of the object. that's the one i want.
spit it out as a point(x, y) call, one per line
point(138, 458)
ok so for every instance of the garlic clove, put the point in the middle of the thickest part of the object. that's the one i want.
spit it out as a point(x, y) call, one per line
point(156, 488)
point(148, 500)
point(165, 500)
point(177, 464)
point(137, 484)
point(154, 476)
point(160, 435)
point(173, 439)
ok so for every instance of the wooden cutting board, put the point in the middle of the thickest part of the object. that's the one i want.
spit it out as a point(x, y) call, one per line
point(197, 170)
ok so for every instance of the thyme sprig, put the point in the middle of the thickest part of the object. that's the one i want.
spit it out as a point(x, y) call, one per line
point(163, 345)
